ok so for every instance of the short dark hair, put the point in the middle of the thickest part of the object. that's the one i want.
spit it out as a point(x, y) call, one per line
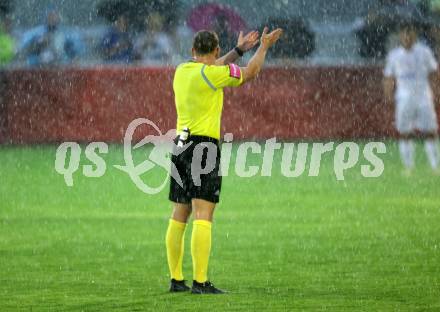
point(408, 26)
point(205, 42)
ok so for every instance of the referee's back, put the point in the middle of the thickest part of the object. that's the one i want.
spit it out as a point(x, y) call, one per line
point(198, 90)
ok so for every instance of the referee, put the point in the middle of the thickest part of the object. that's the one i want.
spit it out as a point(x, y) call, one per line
point(198, 88)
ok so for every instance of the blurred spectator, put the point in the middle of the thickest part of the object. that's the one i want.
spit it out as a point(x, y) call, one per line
point(298, 39)
point(50, 44)
point(380, 21)
point(169, 11)
point(117, 45)
point(225, 32)
point(183, 37)
point(155, 44)
point(7, 42)
point(222, 19)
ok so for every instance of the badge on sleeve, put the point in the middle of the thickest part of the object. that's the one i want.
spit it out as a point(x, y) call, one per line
point(234, 71)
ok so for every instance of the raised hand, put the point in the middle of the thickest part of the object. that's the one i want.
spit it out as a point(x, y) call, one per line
point(269, 39)
point(245, 43)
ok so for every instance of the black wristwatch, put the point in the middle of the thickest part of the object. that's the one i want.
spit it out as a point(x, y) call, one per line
point(239, 51)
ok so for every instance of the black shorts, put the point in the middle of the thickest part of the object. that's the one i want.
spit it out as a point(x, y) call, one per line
point(199, 170)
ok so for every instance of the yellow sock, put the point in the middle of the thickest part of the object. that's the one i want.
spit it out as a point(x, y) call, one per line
point(200, 249)
point(175, 245)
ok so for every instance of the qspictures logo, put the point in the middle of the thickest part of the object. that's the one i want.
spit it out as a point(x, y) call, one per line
point(346, 156)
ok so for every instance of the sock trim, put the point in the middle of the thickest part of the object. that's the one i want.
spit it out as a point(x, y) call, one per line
point(178, 224)
point(204, 223)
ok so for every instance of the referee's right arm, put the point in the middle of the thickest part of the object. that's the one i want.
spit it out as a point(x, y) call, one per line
point(255, 64)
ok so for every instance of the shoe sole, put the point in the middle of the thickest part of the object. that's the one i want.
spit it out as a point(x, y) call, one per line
point(178, 291)
point(205, 293)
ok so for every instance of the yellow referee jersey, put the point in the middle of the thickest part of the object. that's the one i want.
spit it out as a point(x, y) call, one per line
point(198, 90)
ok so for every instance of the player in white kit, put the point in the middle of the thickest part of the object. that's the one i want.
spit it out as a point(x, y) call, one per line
point(410, 72)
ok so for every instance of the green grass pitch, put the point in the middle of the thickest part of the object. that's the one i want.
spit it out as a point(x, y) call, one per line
point(279, 244)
